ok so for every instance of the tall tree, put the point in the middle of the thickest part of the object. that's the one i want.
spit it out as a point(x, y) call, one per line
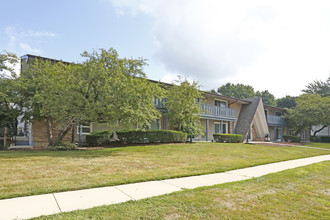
point(7, 62)
point(51, 91)
point(102, 88)
point(9, 110)
point(183, 112)
point(239, 91)
point(318, 87)
point(242, 91)
point(267, 97)
point(286, 102)
point(124, 93)
point(311, 110)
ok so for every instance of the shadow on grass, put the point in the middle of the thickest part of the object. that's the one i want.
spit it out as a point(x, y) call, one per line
point(88, 152)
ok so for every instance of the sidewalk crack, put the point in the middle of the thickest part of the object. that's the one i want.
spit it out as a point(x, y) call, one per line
point(57, 203)
point(125, 193)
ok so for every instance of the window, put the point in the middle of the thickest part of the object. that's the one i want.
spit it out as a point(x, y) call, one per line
point(157, 102)
point(217, 127)
point(85, 128)
point(278, 113)
point(197, 100)
point(222, 104)
point(155, 125)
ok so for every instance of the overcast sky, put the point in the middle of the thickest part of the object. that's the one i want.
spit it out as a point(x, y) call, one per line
point(276, 45)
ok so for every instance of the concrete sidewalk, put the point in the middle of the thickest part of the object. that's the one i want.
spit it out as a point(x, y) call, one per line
point(47, 204)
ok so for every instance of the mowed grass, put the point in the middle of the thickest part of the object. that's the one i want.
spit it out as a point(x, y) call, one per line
point(301, 193)
point(318, 145)
point(38, 172)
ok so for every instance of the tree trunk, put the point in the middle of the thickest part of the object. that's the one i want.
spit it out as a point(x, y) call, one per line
point(49, 132)
point(64, 130)
point(5, 138)
point(315, 132)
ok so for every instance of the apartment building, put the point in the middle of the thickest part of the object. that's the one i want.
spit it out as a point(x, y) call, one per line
point(219, 114)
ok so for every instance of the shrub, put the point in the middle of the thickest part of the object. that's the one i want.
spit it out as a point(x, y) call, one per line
point(151, 136)
point(315, 139)
point(325, 139)
point(228, 138)
point(291, 138)
point(98, 138)
point(63, 146)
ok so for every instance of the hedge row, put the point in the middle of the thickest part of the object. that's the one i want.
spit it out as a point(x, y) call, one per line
point(291, 138)
point(228, 138)
point(99, 138)
point(324, 139)
point(151, 136)
point(136, 137)
point(63, 147)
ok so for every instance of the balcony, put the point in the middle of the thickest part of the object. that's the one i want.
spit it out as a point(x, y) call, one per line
point(217, 112)
point(273, 120)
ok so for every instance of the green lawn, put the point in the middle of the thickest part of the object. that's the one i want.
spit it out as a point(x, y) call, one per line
point(38, 172)
point(301, 193)
point(318, 145)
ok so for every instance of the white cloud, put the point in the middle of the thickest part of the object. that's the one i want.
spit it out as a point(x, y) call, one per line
point(23, 41)
point(28, 48)
point(31, 33)
point(275, 45)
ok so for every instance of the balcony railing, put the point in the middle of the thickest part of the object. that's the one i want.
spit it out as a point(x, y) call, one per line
point(276, 120)
point(212, 110)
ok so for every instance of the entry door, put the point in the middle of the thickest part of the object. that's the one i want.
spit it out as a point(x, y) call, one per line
point(250, 135)
point(224, 128)
point(278, 135)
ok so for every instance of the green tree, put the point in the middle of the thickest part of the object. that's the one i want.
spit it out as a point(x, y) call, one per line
point(52, 91)
point(318, 87)
point(102, 88)
point(286, 102)
point(239, 91)
point(311, 110)
point(183, 112)
point(242, 91)
point(267, 97)
point(9, 110)
point(7, 62)
point(125, 96)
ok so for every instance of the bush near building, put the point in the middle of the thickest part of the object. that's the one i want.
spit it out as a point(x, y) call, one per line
point(291, 138)
point(99, 138)
point(136, 137)
point(228, 138)
point(323, 139)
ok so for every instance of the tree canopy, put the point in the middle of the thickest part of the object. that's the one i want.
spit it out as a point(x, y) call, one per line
point(238, 90)
point(9, 110)
point(242, 91)
point(7, 62)
point(183, 112)
point(286, 102)
point(102, 88)
point(318, 87)
point(267, 97)
point(311, 110)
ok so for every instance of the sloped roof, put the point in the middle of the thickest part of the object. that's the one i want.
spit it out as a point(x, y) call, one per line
point(246, 116)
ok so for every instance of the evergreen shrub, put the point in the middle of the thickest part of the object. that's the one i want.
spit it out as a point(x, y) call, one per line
point(228, 138)
point(291, 138)
point(99, 138)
